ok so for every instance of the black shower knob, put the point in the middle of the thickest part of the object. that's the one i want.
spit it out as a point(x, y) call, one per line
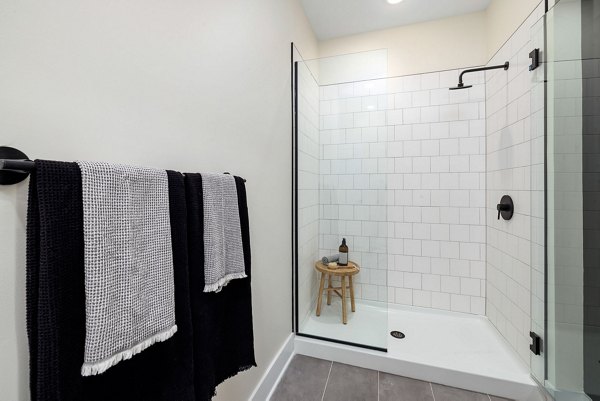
point(505, 208)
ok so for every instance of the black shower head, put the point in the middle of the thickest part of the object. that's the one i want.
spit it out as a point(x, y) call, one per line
point(461, 86)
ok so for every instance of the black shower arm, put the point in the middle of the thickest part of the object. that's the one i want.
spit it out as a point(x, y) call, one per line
point(493, 67)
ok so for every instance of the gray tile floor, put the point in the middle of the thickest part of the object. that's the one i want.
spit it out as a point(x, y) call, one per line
point(311, 379)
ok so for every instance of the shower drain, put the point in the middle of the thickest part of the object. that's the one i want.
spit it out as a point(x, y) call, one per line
point(397, 334)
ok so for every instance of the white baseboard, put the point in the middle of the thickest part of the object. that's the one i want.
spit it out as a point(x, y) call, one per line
point(273, 374)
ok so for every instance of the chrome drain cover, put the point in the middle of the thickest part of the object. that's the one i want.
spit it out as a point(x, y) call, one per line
point(397, 334)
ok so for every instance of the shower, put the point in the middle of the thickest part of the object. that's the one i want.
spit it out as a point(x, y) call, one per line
point(461, 85)
point(410, 175)
point(379, 160)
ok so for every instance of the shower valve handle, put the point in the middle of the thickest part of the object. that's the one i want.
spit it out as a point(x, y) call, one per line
point(502, 208)
point(505, 208)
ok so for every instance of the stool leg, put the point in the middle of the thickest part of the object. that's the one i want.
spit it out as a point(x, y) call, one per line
point(344, 316)
point(351, 281)
point(329, 285)
point(320, 296)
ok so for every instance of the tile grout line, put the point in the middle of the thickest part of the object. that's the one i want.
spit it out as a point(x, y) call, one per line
point(431, 387)
point(327, 381)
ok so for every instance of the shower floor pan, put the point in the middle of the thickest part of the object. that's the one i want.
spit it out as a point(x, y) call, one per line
point(455, 349)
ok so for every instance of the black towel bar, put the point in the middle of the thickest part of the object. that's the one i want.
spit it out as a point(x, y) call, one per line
point(18, 165)
point(15, 166)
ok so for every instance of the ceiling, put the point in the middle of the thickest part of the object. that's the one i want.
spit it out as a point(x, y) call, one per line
point(334, 18)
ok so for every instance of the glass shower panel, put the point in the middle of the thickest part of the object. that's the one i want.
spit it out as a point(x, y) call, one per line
point(537, 130)
point(564, 201)
point(572, 334)
point(590, 47)
point(306, 186)
point(341, 136)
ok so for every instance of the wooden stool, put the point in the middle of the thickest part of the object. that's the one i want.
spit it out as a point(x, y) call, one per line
point(342, 272)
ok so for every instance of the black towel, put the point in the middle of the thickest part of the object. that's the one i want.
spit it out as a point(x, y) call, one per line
point(223, 335)
point(55, 289)
point(56, 301)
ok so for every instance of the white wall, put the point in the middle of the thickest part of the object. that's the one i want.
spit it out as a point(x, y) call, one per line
point(186, 85)
point(443, 44)
point(503, 17)
point(351, 67)
point(403, 180)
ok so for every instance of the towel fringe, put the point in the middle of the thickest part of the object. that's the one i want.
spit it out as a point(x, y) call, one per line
point(223, 281)
point(90, 369)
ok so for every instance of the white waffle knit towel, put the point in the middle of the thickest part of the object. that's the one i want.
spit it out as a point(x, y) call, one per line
point(223, 252)
point(129, 284)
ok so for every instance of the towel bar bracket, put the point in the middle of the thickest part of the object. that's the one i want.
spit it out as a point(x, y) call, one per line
point(15, 166)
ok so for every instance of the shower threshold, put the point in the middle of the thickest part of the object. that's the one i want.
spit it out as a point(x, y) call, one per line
point(455, 349)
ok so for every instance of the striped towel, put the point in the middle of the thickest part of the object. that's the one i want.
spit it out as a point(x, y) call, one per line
point(223, 252)
point(129, 285)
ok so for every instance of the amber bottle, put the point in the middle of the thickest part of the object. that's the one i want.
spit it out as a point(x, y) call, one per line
point(343, 261)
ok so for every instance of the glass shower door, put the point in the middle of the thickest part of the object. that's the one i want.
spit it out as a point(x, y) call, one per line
point(537, 179)
point(571, 351)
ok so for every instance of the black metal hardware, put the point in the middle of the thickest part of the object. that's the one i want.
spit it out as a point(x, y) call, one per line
point(505, 208)
point(333, 340)
point(461, 85)
point(15, 166)
point(397, 334)
point(536, 344)
point(535, 59)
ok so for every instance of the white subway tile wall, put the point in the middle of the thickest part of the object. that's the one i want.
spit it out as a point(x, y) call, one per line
point(509, 166)
point(402, 178)
point(308, 188)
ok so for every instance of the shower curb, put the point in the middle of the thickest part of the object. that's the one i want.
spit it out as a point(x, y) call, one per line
point(377, 360)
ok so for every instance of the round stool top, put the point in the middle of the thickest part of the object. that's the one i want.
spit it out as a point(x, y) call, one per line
point(349, 270)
